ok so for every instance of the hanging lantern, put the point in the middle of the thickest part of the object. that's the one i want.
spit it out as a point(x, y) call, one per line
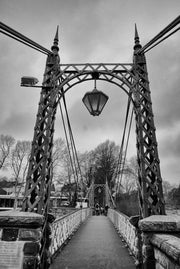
point(95, 101)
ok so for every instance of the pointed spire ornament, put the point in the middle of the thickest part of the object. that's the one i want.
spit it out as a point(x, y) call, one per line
point(56, 39)
point(136, 39)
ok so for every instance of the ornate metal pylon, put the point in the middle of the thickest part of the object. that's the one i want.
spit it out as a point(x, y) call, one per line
point(150, 181)
point(39, 174)
point(132, 78)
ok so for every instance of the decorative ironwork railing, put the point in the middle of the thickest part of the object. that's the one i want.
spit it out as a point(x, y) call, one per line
point(129, 233)
point(65, 226)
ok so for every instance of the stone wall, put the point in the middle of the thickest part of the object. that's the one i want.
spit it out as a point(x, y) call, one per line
point(161, 242)
point(20, 236)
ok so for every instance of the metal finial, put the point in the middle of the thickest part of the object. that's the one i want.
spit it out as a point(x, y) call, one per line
point(136, 39)
point(56, 39)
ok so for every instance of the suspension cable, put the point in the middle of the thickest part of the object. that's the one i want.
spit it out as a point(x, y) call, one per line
point(23, 39)
point(71, 137)
point(122, 142)
point(168, 28)
point(22, 42)
point(162, 40)
point(66, 137)
point(127, 142)
point(120, 162)
point(72, 140)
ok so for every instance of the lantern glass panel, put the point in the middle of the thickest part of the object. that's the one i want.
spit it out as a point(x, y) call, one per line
point(103, 100)
point(86, 102)
point(95, 101)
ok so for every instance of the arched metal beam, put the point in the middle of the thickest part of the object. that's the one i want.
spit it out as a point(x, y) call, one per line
point(119, 74)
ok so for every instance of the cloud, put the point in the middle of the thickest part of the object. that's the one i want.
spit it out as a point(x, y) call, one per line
point(92, 31)
point(19, 125)
point(170, 142)
point(164, 83)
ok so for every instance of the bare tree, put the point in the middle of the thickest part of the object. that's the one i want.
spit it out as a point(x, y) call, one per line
point(19, 164)
point(167, 187)
point(59, 149)
point(61, 163)
point(6, 144)
point(105, 157)
point(130, 178)
point(69, 175)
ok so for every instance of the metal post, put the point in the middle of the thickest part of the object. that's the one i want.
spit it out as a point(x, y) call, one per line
point(39, 176)
point(150, 182)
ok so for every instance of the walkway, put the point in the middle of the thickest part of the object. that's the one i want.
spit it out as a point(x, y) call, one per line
point(96, 245)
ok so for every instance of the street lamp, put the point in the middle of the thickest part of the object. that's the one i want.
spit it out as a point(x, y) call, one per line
point(95, 101)
point(29, 81)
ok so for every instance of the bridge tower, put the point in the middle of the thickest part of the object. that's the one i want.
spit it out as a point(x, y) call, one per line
point(150, 181)
point(39, 176)
point(133, 79)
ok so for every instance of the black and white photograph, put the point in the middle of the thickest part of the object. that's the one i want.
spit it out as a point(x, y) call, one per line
point(89, 134)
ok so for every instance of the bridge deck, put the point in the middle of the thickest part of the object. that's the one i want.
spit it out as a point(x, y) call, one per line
point(96, 245)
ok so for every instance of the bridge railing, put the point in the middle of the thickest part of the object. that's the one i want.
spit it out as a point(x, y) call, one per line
point(153, 241)
point(64, 227)
point(161, 241)
point(128, 232)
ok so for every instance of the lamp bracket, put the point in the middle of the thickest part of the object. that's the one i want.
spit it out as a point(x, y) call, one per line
point(95, 75)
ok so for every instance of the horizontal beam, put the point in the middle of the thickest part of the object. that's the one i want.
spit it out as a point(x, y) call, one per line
point(90, 71)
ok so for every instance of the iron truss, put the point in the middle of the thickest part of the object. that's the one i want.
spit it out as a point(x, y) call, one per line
point(117, 73)
point(150, 181)
point(58, 79)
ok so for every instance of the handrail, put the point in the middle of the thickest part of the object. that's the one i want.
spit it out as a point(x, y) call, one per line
point(129, 233)
point(64, 227)
point(64, 216)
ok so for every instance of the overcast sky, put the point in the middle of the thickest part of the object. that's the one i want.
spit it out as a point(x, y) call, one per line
point(93, 31)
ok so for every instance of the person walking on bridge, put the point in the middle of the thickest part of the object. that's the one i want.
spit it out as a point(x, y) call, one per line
point(97, 208)
point(106, 209)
